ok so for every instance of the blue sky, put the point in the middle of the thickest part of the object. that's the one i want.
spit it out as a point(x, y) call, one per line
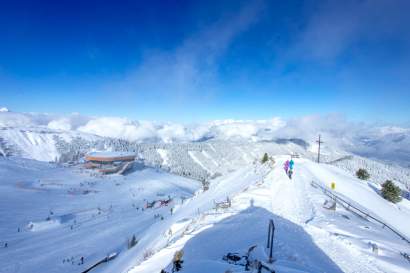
point(201, 60)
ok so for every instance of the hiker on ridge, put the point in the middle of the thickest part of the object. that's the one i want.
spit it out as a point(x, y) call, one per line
point(286, 166)
point(291, 163)
point(290, 172)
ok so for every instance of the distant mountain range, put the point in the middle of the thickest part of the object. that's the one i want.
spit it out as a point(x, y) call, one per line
point(37, 136)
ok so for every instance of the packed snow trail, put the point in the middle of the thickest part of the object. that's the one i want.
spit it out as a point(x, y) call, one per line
point(239, 227)
point(308, 237)
point(344, 242)
point(291, 198)
point(289, 195)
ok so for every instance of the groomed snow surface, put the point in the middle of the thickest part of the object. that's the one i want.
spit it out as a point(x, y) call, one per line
point(51, 216)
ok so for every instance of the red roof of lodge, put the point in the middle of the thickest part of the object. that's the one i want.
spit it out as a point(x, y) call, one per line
point(110, 156)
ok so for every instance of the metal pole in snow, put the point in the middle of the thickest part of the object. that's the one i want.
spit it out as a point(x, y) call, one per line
point(271, 234)
point(318, 150)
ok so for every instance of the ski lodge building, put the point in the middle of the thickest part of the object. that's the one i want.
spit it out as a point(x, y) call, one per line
point(110, 162)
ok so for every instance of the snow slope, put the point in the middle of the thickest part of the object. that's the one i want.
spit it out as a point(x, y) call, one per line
point(188, 214)
point(309, 238)
point(379, 171)
point(51, 216)
point(38, 143)
point(360, 193)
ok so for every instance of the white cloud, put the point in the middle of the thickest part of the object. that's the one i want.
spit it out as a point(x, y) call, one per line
point(334, 26)
point(249, 129)
point(119, 128)
point(188, 71)
point(9, 119)
point(383, 142)
point(60, 124)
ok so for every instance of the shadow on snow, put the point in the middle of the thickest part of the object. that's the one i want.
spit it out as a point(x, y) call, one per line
point(294, 250)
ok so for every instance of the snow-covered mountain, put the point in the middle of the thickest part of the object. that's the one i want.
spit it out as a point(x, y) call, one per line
point(207, 150)
point(58, 219)
point(37, 142)
point(34, 135)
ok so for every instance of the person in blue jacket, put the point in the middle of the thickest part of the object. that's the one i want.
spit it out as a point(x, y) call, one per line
point(290, 172)
point(291, 163)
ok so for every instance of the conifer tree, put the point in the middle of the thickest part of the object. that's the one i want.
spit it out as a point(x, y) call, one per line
point(391, 192)
point(362, 174)
point(265, 158)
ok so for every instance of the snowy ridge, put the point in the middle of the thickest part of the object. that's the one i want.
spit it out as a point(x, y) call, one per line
point(387, 143)
point(192, 209)
point(332, 241)
point(212, 157)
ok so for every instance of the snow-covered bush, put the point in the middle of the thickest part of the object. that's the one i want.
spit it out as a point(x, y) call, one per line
point(362, 174)
point(391, 192)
